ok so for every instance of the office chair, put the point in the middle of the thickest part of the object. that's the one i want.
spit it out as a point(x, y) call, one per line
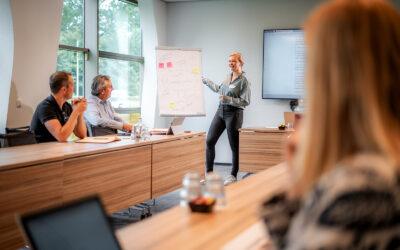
point(133, 213)
point(17, 137)
point(97, 130)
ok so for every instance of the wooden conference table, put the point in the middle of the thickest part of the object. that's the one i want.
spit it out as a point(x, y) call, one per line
point(123, 173)
point(178, 228)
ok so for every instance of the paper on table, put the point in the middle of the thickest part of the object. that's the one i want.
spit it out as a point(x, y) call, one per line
point(101, 139)
point(158, 131)
point(253, 238)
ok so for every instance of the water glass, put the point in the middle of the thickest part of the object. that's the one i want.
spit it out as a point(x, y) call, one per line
point(191, 188)
point(133, 135)
point(215, 189)
point(145, 133)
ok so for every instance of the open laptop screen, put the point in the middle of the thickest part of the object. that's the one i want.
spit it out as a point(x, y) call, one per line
point(79, 225)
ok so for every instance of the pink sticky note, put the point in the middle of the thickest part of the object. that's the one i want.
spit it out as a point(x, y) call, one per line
point(161, 65)
point(169, 64)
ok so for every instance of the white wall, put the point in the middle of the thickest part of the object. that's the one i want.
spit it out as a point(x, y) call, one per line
point(220, 27)
point(6, 59)
point(36, 33)
point(153, 23)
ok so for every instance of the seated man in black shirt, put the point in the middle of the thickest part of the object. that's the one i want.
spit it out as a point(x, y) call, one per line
point(54, 118)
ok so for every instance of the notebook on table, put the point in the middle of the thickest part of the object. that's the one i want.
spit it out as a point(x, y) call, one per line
point(99, 139)
point(80, 225)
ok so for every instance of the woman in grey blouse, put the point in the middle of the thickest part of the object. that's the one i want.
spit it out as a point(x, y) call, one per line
point(234, 96)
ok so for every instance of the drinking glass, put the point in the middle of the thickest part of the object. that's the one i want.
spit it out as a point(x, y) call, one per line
point(191, 188)
point(215, 189)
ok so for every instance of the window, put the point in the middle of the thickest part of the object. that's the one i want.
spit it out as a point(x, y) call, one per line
point(119, 27)
point(71, 52)
point(119, 51)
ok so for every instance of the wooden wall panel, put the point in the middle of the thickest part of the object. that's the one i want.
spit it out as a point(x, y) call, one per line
point(23, 190)
point(172, 160)
point(261, 150)
point(122, 177)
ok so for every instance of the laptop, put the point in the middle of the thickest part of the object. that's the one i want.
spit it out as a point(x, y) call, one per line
point(80, 225)
point(176, 126)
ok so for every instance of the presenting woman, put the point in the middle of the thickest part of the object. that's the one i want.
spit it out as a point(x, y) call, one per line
point(345, 173)
point(234, 96)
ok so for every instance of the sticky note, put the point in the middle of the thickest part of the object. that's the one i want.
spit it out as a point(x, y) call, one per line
point(196, 70)
point(169, 64)
point(161, 65)
point(172, 105)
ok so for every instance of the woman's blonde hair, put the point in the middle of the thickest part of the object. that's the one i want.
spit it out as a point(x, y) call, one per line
point(353, 87)
point(237, 56)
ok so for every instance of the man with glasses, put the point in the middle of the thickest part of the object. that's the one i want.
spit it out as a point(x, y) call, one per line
point(100, 114)
point(55, 119)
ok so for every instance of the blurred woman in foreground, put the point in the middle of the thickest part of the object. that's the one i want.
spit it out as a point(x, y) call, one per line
point(345, 191)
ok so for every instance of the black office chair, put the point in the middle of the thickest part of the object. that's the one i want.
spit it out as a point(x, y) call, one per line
point(17, 137)
point(97, 130)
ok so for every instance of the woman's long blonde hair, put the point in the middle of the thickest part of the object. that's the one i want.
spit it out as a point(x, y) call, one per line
point(353, 86)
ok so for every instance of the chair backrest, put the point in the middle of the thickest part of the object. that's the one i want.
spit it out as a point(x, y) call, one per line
point(17, 137)
point(97, 131)
point(19, 129)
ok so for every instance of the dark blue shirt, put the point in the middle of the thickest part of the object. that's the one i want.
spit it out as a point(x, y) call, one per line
point(47, 110)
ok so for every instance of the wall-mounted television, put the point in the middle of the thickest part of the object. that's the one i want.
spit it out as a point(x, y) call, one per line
point(283, 64)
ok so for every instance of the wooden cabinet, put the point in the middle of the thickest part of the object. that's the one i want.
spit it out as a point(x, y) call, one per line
point(260, 148)
point(41, 175)
point(25, 189)
point(119, 185)
point(172, 160)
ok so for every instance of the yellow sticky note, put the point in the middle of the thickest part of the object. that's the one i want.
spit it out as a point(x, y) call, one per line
point(196, 70)
point(172, 105)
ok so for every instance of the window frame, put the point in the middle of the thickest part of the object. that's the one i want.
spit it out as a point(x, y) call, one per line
point(82, 49)
point(92, 54)
point(123, 57)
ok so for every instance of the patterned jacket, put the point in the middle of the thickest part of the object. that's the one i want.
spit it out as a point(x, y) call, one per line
point(354, 206)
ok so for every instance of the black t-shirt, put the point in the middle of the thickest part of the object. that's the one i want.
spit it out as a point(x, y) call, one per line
point(47, 110)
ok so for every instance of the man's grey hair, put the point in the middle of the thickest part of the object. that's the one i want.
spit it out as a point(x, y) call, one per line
point(99, 83)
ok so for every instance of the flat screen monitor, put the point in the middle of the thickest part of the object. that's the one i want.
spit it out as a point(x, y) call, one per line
point(283, 64)
point(79, 225)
